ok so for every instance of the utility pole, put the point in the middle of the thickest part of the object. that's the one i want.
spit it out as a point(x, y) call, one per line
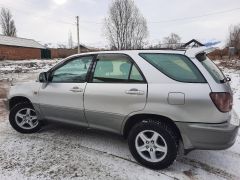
point(79, 49)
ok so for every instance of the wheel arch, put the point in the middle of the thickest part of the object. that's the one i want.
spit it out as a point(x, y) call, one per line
point(131, 121)
point(16, 100)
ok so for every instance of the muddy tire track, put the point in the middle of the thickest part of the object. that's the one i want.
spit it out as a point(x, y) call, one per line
point(206, 167)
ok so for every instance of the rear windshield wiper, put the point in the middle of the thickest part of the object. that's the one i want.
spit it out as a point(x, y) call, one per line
point(226, 79)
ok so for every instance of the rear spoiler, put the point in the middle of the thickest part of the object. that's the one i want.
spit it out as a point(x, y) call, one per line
point(192, 52)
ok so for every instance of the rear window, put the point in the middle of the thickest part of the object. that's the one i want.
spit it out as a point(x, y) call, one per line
point(175, 66)
point(213, 70)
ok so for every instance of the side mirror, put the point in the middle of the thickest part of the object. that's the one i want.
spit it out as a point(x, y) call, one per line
point(43, 77)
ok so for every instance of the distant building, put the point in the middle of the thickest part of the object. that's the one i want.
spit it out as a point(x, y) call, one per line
point(64, 52)
point(15, 48)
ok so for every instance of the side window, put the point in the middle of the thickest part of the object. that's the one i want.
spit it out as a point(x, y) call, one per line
point(116, 68)
point(74, 71)
point(175, 66)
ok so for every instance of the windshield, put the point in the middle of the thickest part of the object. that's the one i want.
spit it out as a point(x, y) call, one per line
point(214, 71)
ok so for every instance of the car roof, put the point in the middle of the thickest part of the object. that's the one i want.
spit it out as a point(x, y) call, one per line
point(134, 52)
point(191, 52)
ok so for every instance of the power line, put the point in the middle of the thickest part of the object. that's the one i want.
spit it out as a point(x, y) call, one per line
point(177, 19)
point(161, 21)
point(196, 17)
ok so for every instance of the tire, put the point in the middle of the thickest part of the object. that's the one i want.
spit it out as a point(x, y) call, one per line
point(23, 118)
point(159, 140)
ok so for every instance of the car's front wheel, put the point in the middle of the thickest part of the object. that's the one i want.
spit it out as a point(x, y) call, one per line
point(153, 144)
point(23, 118)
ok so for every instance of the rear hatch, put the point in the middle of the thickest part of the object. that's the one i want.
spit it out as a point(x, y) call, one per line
point(212, 68)
point(220, 81)
point(221, 94)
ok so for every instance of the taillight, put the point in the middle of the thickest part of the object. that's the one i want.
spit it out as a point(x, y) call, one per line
point(222, 100)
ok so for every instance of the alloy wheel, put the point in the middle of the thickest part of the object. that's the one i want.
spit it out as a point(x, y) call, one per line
point(151, 146)
point(26, 118)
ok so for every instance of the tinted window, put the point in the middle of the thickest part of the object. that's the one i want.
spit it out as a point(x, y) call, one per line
point(175, 66)
point(135, 75)
point(214, 71)
point(116, 68)
point(73, 71)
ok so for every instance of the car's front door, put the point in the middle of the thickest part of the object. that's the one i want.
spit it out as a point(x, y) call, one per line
point(61, 98)
point(117, 88)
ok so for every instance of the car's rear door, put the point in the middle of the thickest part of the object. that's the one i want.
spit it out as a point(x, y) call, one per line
point(61, 98)
point(117, 89)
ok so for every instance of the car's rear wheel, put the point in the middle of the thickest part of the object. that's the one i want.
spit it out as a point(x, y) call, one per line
point(153, 144)
point(23, 118)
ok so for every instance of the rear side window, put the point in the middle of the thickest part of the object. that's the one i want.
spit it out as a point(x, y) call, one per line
point(213, 70)
point(175, 66)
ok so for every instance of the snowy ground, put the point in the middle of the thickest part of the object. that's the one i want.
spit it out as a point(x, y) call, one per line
point(65, 152)
point(25, 69)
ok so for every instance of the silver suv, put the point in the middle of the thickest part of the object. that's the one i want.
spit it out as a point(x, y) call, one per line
point(159, 100)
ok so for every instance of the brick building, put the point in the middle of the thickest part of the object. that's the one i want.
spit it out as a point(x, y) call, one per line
point(15, 48)
point(64, 52)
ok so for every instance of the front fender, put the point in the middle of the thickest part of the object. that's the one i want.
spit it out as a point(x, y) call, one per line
point(28, 90)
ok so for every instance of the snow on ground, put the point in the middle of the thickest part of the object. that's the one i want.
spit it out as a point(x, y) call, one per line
point(20, 70)
point(66, 152)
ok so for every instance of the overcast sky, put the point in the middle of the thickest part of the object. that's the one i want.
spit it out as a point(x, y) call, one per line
point(50, 21)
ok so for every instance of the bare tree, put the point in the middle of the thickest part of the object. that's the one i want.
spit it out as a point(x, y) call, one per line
point(125, 27)
point(70, 40)
point(63, 46)
point(47, 45)
point(234, 38)
point(172, 41)
point(154, 46)
point(7, 23)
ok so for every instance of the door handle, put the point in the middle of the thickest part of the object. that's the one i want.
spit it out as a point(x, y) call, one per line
point(76, 89)
point(134, 91)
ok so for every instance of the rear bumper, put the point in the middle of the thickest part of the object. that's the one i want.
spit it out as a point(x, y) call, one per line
point(6, 103)
point(209, 136)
